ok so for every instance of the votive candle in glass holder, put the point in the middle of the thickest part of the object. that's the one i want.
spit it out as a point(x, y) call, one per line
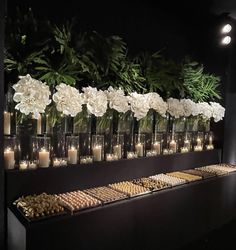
point(83, 160)
point(72, 145)
point(32, 164)
point(150, 153)
point(118, 145)
point(9, 158)
point(11, 151)
point(41, 147)
point(157, 140)
point(44, 158)
point(64, 162)
point(23, 165)
point(87, 159)
point(199, 141)
point(130, 155)
point(185, 142)
point(209, 137)
point(109, 157)
point(173, 145)
point(98, 147)
point(139, 143)
point(56, 162)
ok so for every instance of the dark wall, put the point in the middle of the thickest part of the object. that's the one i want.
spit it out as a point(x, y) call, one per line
point(179, 27)
point(2, 191)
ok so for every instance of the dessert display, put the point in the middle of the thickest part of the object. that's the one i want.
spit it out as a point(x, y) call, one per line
point(39, 206)
point(129, 188)
point(171, 180)
point(213, 170)
point(151, 183)
point(225, 168)
point(185, 176)
point(105, 194)
point(77, 200)
point(204, 175)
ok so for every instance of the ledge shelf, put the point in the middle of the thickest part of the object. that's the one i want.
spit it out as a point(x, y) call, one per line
point(167, 218)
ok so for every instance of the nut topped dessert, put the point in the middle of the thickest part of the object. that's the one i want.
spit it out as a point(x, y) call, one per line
point(151, 183)
point(77, 200)
point(105, 194)
point(203, 174)
point(129, 188)
point(38, 206)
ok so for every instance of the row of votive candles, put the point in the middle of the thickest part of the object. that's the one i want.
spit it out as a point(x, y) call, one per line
point(73, 154)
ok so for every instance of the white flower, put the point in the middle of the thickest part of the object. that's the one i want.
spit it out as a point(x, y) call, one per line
point(157, 103)
point(96, 101)
point(205, 110)
point(175, 108)
point(139, 105)
point(190, 107)
point(218, 112)
point(31, 95)
point(68, 100)
point(117, 100)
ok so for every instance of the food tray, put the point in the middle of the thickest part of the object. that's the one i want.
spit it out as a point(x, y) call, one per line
point(66, 211)
point(110, 201)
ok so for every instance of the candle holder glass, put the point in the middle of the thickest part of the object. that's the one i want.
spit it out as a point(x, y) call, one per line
point(98, 147)
point(118, 145)
point(185, 142)
point(72, 149)
point(172, 142)
point(157, 141)
point(198, 142)
point(41, 150)
point(209, 140)
point(139, 144)
point(161, 123)
point(12, 152)
point(125, 126)
point(23, 165)
point(86, 159)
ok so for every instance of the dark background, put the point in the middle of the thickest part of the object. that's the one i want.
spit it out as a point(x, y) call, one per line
point(180, 28)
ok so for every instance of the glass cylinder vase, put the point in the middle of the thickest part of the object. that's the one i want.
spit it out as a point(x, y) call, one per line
point(146, 126)
point(185, 142)
point(209, 140)
point(72, 149)
point(104, 126)
point(204, 125)
point(192, 124)
point(98, 147)
point(11, 152)
point(125, 126)
point(118, 145)
point(82, 126)
point(139, 144)
point(157, 141)
point(161, 123)
point(26, 127)
point(41, 150)
point(198, 141)
point(179, 124)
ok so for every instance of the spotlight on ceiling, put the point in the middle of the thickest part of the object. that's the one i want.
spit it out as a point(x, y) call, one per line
point(226, 29)
point(226, 40)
